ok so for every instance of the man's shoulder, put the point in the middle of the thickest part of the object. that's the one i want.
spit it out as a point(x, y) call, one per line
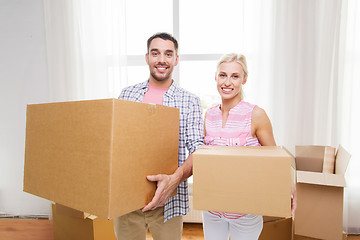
point(132, 92)
point(134, 87)
point(181, 92)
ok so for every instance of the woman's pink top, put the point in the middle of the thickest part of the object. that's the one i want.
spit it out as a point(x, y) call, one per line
point(237, 132)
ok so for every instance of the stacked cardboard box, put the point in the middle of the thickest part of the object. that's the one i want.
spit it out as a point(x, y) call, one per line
point(251, 180)
point(94, 156)
point(319, 211)
point(277, 229)
point(71, 224)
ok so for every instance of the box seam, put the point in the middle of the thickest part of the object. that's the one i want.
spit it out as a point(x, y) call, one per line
point(111, 155)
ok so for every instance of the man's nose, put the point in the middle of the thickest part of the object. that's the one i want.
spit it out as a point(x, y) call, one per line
point(161, 58)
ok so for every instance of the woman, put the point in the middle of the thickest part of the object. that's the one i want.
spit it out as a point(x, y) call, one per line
point(234, 122)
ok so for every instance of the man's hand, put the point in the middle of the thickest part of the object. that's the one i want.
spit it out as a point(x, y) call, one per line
point(166, 185)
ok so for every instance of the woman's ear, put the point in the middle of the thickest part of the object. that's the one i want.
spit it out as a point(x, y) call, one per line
point(215, 76)
point(244, 80)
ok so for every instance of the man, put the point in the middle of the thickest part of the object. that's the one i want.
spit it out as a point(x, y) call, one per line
point(163, 215)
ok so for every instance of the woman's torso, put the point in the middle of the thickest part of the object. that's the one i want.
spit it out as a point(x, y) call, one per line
point(236, 132)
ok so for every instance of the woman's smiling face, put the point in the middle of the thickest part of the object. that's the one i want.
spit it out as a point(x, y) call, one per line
point(230, 78)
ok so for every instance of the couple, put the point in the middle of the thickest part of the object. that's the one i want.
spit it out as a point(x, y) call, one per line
point(163, 215)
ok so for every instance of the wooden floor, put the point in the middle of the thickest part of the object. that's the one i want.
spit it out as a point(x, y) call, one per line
point(19, 229)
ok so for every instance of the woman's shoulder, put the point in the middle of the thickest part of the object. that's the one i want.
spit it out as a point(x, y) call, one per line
point(213, 109)
point(244, 104)
point(259, 115)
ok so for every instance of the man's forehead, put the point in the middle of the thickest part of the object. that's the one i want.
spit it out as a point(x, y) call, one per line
point(161, 45)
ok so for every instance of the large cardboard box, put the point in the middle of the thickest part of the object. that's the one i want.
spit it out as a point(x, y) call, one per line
point(277, 229)
point(249, 180)
point(94, 155)
point(70, 224)
point(319, 212)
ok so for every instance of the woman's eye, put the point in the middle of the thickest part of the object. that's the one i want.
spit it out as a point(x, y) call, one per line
point(222, 75)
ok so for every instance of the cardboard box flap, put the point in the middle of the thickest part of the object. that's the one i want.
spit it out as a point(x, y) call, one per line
point(326, 179)
point(70, 211)
point(342, 159)
point(293, 163)
point(309, 158)
point(259, 151)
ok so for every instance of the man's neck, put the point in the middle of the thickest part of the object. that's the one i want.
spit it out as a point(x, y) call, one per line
point(161, 84)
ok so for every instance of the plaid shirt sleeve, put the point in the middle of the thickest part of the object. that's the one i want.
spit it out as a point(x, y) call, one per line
point(194, 127)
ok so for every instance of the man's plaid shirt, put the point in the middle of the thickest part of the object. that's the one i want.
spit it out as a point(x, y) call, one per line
point(191, 134)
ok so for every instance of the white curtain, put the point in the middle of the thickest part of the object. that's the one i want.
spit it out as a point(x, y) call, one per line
point(315, 63)
point(304, 66)
point(315, 83)
point(349, 114)
point(86, 48)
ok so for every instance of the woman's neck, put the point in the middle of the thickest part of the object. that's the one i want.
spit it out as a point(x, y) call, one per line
point(228, 104)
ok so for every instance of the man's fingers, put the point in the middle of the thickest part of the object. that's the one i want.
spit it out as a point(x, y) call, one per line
point(154, 178)
point(154, 202)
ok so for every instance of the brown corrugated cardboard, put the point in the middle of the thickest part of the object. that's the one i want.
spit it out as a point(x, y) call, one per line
point(319, 212)
point(279, 229)
point(70, 224)
point(297, 237)
point(94, 155)
point(315, 158)
point(252, 180)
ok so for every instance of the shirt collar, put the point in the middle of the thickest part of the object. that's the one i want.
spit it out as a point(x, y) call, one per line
point(169, 93)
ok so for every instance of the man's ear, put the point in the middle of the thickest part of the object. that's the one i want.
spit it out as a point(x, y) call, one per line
point(147, 58)
point(176, 60)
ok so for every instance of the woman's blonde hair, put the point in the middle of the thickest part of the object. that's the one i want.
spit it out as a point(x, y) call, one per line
point(238, 58)
point(234, 57)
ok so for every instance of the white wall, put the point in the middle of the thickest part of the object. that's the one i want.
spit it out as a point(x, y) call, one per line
point(23, 80)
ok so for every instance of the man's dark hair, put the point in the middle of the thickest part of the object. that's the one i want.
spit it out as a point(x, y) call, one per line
point(164, 36)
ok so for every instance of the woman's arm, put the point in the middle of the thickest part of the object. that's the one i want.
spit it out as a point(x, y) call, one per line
point(261, 127)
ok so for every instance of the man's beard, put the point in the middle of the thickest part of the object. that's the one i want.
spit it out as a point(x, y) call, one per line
point(166, 77)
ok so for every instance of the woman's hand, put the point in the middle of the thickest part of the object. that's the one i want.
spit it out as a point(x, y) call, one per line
point(293, 199)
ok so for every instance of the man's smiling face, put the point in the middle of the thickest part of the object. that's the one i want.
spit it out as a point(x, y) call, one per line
point(161, 59)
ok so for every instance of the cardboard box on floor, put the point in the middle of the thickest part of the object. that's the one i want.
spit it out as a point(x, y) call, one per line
point(277, 229)
point(94, 155)
point(297, 237)
point(251, 180)
point(71, 224)
point(319, 212)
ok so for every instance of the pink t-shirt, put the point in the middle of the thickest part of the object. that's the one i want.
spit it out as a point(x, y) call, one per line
point(154, 95)
point(237, 132)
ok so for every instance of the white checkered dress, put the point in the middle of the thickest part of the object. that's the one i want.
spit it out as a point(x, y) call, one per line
point(191, 134)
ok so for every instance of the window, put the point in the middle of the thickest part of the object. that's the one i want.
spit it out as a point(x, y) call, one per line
point(205, 30)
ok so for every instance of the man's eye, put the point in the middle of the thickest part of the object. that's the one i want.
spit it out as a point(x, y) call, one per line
point(169, 54)
point(154, 53)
